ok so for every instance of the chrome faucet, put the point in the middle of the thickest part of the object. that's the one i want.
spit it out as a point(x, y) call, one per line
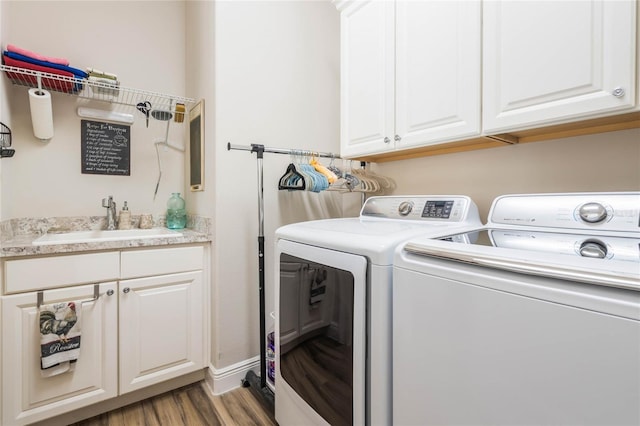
point(110, 205)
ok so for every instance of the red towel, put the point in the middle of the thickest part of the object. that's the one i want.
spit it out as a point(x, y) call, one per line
point(16, 49)
point(47, 83)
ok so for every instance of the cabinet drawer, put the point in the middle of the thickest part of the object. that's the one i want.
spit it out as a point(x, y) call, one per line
point(49, 272)
point(161, 261)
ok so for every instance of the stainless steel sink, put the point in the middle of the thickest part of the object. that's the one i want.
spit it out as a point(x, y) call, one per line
point(101, 235)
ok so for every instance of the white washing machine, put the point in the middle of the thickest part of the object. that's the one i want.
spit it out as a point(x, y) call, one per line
point(532, 319)
point(333, 307)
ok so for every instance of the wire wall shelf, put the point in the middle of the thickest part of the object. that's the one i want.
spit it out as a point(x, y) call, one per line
point(95, 90)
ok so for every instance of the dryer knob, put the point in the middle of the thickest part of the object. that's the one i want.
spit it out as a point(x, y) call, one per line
point(405, 208)
point(594, 249)
point(592, 212)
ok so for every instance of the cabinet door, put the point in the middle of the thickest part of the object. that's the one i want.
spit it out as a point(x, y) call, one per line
point(27, 396)
point(556, 61)
point(161, 329)
point(367, 78)
point(437, 71)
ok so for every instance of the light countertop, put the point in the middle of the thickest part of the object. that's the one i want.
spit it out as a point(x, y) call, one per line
point(18, 236)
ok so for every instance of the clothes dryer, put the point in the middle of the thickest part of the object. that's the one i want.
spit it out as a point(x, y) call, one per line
point(531, 319)
point(333, 307)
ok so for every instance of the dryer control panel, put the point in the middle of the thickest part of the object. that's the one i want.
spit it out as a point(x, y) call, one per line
point(436, 208)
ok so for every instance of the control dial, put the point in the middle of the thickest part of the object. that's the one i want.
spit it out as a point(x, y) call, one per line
point(593, 248)
point(592, 212)
point(405, 208)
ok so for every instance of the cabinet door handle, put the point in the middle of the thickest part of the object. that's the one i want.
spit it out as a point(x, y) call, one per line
point(126, 290)
point(397, 138)
point(618, 92)
point(109, 292)
point(387, 140)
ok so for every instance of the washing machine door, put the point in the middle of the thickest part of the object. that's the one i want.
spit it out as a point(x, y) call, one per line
point(320, 335)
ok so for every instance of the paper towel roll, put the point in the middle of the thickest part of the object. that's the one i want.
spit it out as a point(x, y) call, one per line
point(41, 113)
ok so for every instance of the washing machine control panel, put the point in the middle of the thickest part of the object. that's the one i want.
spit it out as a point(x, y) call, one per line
point(599, 211)
point(422, 208)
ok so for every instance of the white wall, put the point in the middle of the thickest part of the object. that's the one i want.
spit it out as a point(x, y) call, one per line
point(269, 73)
point(143, 43)
point(200, 36)
point(276, 83)
point(603, 162)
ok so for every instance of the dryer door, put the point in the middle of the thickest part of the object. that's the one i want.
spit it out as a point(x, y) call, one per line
point(320, 335)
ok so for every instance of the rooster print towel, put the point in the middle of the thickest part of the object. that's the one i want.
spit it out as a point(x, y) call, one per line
point(59, 337)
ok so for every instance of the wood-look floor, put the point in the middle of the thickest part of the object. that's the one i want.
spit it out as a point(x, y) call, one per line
point(191, 405)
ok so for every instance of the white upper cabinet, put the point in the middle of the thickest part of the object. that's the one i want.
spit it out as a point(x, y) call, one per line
point(550, 62)
point(367, 77)
point(437, 72)
point(426, 75)
point(410, 74)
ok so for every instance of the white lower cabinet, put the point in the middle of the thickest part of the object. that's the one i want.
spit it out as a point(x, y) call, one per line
point(143, 329)
point(29, 397)
point(161, 329)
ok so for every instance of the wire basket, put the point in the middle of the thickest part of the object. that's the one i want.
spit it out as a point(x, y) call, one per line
point(5, 142)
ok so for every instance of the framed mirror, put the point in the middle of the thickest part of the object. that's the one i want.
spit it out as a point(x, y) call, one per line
point(196, 147)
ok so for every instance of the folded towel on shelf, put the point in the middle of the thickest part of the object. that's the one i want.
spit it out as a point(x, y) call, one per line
point(104, 87)
point(105, 82)
point(75, 71)
point(59, 337)
point(100, 74)
point(47, 83)
point(37, 56)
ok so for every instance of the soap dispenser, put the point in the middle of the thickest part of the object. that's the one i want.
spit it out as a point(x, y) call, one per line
point(124, 220)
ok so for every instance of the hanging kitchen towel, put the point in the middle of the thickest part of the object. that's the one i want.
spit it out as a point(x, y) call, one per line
point(59, 337)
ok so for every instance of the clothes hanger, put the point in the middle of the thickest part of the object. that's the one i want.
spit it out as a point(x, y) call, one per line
point(368, 184)
point(319, 182)
point(292, 180)
point(298, 158)
point(334, 169)
point(331, 177)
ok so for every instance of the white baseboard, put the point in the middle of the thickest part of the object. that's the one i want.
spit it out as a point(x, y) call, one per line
point(228, 378)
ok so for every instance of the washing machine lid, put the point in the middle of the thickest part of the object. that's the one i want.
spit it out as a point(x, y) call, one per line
point(583, 237)
point(620, 270)
point(376, 240)
point(384, 223)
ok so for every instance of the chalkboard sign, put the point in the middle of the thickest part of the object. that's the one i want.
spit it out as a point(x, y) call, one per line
point(106, 148)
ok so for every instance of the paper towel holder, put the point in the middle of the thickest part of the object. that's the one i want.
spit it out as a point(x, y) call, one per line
point(5, 142)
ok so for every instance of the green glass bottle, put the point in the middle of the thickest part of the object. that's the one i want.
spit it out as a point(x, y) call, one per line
point(176, 213)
